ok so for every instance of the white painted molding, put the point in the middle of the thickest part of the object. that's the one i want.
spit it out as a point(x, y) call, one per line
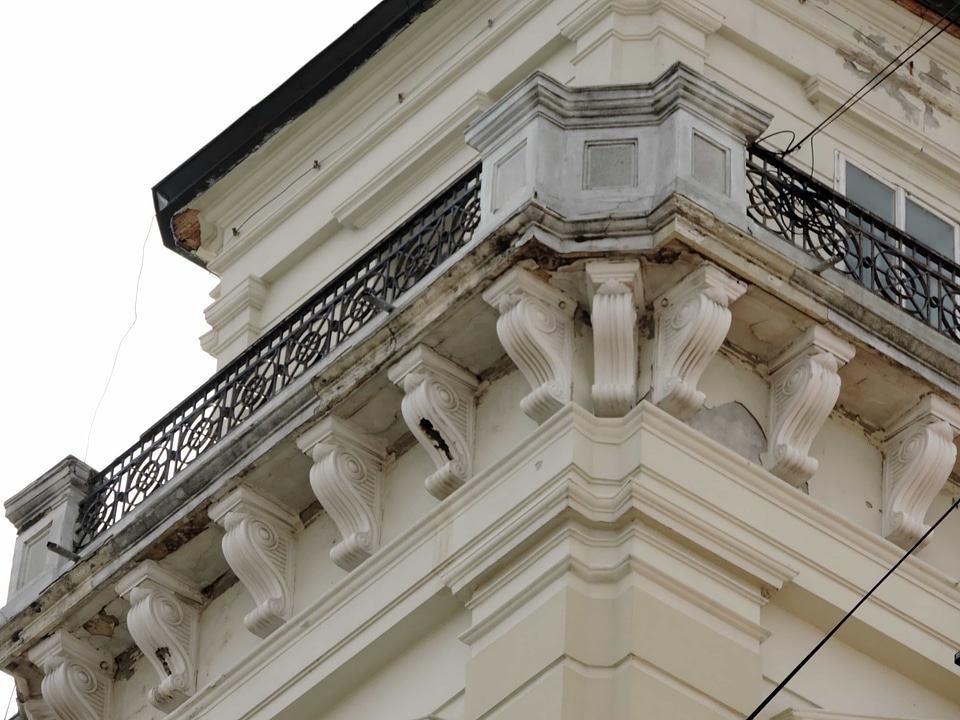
point(812, 714)
point(77, 682)
point(37, 708)
point(347, 478)
point(692, 319)
point(163, 621)
point(918, 456)
point(439, 407)
point(804, 387)
point(536, 330)
point(259, 547)
point(617, 291)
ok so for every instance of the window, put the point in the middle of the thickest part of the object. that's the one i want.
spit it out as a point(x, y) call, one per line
point(893, 204)
point(923, 283)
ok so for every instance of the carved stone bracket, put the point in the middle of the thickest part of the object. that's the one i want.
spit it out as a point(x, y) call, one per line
point(617, 291)
point(258, 546)
point(692, 319)
point(918, 456)
point(163, 621)
point(347, 478)
point(804, 386)
point(77, 682)
point(536, 330)
point(439, 406)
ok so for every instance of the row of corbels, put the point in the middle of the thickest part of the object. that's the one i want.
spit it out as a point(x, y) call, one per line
point(536, 329)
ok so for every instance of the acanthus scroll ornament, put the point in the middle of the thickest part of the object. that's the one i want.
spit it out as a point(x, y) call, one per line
point(347, 478)
point(77, 682)
point(163, 619)
point(804, 387)
point(617, 292)
point(918, 456)
point(692, 319)
point(258, 546)
point(439, 407)
point(536, 330)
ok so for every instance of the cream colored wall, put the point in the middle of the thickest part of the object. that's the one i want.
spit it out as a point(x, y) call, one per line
point(384, 156)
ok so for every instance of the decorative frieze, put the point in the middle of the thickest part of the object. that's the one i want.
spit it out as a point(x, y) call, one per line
point(258, 546)
point(617, 292)
point(918, 456)
point(347, 478)
point(77, 682)
point(692, 319)
point(439, 407)
point(804, 387)
point(536, 330)
point(163, 621)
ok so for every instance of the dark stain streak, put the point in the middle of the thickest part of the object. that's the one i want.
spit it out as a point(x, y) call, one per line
point(435, 438)
point(162, 654)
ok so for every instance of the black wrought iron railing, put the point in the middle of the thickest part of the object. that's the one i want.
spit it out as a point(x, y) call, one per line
point(337, 311)
point(850, 239)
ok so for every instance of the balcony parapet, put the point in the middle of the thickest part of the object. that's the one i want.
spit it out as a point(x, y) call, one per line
point(851, 240)
point(368, 287)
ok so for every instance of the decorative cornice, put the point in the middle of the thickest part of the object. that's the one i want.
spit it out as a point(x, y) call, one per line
point(692, 319)
point(695, 13)
point(347, 478)
point(536, 330)
point(918, 456)
point(258, 546)
point(163, 622)
point(439, 406)
point(617, 291)
point(804, 387)
point(77, 682)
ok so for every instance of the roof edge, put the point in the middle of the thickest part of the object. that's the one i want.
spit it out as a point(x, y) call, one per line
point(296, 95)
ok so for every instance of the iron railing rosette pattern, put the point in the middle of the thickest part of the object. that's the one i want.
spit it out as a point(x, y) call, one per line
point(850, 239)
point(337, 311)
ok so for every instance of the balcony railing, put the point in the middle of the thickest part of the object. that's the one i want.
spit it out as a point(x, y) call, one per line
point(871, 252)
point(338, 310)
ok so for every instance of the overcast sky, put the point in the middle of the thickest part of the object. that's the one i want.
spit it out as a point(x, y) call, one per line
point(101, 100)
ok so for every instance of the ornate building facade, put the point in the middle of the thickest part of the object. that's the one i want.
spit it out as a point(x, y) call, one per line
point(555, 382)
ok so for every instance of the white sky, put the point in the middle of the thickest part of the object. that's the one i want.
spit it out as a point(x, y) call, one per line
point(100, 101)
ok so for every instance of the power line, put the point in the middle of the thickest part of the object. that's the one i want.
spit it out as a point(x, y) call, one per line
point(881, 75)
point(116, 355)
point(846, 617)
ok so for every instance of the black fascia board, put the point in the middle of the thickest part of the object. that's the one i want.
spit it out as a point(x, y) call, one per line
point(299, 93)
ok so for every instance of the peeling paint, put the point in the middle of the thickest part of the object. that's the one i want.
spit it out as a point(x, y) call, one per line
point(855, 65)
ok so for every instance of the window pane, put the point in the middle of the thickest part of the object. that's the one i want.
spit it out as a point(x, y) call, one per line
point(871, 194)
point(929, 229)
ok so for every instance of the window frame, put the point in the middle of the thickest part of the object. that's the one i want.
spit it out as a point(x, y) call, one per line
point(900, 200)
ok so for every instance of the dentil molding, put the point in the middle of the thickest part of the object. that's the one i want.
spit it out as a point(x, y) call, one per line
point(804, 387)
point(77, 682)
point(617, 292)
point(439, 406)
point(347, 478)
point(536, 330)
point(692, 319)
point(918, 456)
point(259, 546)
point(163, 620)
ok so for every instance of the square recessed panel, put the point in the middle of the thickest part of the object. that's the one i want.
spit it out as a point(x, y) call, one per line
point(711, 164)
point(611, 164)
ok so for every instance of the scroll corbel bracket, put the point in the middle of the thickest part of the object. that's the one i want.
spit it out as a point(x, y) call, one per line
point(259, 546)
point(536, 330)
point(918, 456)
point(163, 620)
point(77, 682)
point(616, 294)
point(439, 407)
point(804, 387)
point(692, 320)
point(347, 478)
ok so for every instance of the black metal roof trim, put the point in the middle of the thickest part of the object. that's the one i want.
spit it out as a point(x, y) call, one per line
point(299, 93)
